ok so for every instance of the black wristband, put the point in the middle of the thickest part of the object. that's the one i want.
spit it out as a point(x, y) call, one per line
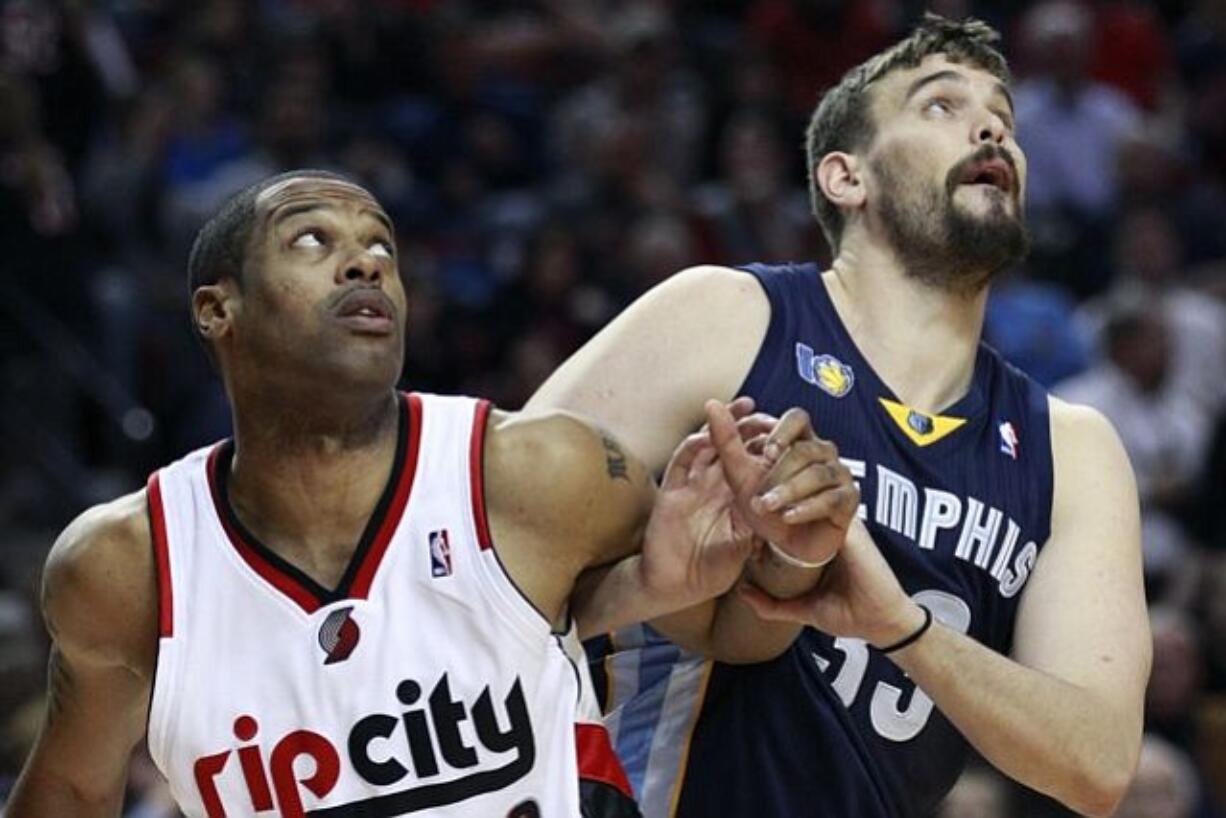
point(909, 640)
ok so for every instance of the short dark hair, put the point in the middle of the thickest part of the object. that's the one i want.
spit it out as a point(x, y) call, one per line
point(842, 120)
point(220, 248)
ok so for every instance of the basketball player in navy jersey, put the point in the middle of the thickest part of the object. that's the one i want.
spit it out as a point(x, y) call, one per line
point(991, 593)
point(296, 524)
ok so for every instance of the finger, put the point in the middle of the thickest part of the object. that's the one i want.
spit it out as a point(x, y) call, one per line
point(679, 465)
point(836, 506)
point(793, 426)
point(812, 480)
point(741, 407)
point(703, 465)
point(740, 469)
point(767, 608)
point(799, 456)
point(756, 445)
point(741, 410)
point(756, 424)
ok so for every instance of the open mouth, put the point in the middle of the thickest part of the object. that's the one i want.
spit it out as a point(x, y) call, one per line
point(368, 311)
point(993, 172)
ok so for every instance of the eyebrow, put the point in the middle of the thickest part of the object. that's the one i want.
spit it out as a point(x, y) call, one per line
point(289, 211)
point(947, 74)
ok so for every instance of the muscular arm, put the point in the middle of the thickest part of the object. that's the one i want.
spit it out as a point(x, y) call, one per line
point(646, 377)
point(98, 602)
point(563, 498)
point(570, 510)
point(1063, 714)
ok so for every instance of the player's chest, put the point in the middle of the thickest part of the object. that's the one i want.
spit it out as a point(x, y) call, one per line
point(374, 698)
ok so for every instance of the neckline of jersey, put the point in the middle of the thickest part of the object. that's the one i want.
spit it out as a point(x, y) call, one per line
point(286, 578)
point(969, 406)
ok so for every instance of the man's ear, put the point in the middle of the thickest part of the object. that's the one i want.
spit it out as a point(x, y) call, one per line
point(840, 178)
point(213, 309)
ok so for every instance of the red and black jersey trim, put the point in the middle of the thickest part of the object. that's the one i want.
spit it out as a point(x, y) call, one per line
point(476, 474)
point(161, 556)
point(364, 564)
point(604, 789)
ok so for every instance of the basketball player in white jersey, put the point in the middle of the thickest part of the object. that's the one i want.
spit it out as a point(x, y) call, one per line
point(364, 603)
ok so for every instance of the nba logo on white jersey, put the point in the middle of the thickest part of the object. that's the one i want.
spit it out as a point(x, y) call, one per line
point(440, 554)
point(1009, 444)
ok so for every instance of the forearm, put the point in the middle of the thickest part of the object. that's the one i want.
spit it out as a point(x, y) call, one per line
point(611, 597)
point(43, 794)
point(1061, 739)
point(727, 629)
point(737, 636)
point(778, 578)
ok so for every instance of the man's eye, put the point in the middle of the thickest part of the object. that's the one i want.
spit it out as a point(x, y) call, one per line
point(381, 248)
point(939, 105)
point(311, 238)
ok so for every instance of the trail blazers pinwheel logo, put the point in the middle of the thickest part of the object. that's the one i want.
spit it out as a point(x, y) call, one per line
point(339, 635)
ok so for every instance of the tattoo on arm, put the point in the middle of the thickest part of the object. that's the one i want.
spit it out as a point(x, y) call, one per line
point(615, 459)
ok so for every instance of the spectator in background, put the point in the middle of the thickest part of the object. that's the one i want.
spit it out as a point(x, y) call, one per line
point(1202, 58)
point(1211, 716)
point(812, 42)
point(1164, 786)
point(205, 139)
point(1072, 129)
point(1072, 124)
point(1134, 52)
point(981, 792)
point(1149, 259)
point(1210, 514)
point(655, 245)
point(1211, 608)
point(1177, 680)
point(1031, 322)
point(1158, 171)
point(646, 84)
point(1163, 430)
point(751, 213)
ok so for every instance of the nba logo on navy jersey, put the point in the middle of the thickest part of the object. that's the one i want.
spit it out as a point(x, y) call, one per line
point(440, 554)
point(1009, 444)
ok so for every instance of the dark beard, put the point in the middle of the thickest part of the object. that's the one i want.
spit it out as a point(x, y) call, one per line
point(940, 244)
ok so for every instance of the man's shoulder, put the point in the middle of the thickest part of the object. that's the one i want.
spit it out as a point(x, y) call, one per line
point(564, 448)
point(111, 534)
point(1072, 418)
point(560, 469)
point(711, 280)
point(557, 435)
point(99, 585)
point(1084, 441)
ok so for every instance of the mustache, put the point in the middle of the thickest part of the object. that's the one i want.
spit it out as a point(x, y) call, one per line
point(986, 153)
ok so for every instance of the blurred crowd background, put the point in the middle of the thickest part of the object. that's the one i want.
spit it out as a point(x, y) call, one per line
point(545, 162)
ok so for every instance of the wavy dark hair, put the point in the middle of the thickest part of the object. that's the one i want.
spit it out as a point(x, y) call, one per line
point(842, 120)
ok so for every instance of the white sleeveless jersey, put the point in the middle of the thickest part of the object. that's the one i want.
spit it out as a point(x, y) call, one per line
point(425, 683)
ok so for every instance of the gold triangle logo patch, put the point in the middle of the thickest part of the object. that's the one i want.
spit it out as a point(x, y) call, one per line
point(923, 429)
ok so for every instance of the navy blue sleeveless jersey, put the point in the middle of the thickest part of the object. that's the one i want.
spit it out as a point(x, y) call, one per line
point(960, 505)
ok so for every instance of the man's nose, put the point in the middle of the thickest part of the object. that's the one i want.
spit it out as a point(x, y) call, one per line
point(362, 266)
point(991, 129)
